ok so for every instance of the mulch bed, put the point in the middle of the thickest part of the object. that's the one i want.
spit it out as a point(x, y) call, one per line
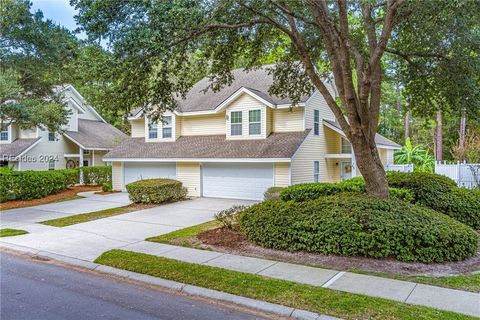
point(48, 199)
point(228, 241)
point(106, 192)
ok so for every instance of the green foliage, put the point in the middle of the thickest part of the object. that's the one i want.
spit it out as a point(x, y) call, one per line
point(311, 191)
point(107, 187)
point(272, 193)
point(359, 225)
point(26, 185)
point(156, 191)
point(35, 56)
point(228, 218)
point(416, 155)
point(96, 176)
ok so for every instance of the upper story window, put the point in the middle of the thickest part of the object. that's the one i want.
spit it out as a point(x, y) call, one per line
point(152, 130)
point(316, 122)
point(4, 132)
point(254, 120)
point(346, 146)
point(51, 136)
point(236, 123)
point(167, 127)
point(316, 171)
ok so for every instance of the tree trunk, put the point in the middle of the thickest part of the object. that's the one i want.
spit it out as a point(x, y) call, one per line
point(407, 125)
point(439, 137)
point(463, 129)
point(371, 167)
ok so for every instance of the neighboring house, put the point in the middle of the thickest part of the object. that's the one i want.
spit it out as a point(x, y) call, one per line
point(238, 142)
point(85, 140)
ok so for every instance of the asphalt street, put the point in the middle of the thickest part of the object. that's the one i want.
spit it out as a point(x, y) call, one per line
point(32, 289)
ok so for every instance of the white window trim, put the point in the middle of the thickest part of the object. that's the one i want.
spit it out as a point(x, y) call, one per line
point(51, 162)
point(342, 139)
point(316, 122)
point(316, 175)
point(9, 135)
point(54, 136)
point(257, 122)
point(168, 127)
point(237, 123)
point(160, 129)
point(151, 126)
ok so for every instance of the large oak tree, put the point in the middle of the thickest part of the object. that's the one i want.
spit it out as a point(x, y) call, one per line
point(159, 46)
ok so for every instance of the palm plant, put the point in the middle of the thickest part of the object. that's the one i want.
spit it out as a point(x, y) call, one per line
point(416, 155)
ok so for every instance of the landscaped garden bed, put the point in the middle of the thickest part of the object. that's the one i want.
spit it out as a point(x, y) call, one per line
point(321, 225)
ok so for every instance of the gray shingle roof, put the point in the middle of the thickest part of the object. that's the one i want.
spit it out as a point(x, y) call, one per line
point(14, 149)
point(96, 134)
point(276, 145)
point(379, 139)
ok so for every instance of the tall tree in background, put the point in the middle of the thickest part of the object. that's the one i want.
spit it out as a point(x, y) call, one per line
point(159, 44)
point(35, 57)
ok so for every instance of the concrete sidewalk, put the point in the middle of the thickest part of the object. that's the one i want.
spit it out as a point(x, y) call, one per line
point(402, 291)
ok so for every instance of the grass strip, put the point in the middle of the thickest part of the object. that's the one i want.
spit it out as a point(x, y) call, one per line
point(316, 299)
point(11, 232)
point(470, 282)
point(76, 197)
point(85, 217)
point(183, 237)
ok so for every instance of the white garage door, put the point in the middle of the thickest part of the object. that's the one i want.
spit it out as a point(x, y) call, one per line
point(134, 171)
point(237, 181)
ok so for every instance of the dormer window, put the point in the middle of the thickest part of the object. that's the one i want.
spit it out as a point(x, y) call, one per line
point(152, 130)
point(316, 122)
point(4, 132)
point(254, 119)
point(167, 127)
point(236, 123)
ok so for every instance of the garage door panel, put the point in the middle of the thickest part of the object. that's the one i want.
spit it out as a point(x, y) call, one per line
point(148, 170)
point(239, 181)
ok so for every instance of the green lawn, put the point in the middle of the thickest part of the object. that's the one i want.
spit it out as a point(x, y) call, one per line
point(317, 299)
point(11, 232)
point(68, 199)
point(183, 237)
point(84, 217)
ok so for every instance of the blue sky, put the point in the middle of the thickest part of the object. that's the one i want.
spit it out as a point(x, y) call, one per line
point(59, 11)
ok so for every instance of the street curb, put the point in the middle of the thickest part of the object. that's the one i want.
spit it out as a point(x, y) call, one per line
point(175, 286)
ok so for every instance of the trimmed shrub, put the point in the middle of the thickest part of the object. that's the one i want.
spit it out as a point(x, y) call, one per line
point(107, 187)
point(359, 225)
point(27, 185)
point(273, 193)
point(156, 191)
point(311, 191)
point(96, 176)
point(228, 218)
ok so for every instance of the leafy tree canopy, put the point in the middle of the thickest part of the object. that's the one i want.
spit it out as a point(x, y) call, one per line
point(35, 57)
point(160, 47)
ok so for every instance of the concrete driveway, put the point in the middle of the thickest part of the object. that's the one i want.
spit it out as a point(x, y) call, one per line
point(91, 202)
point(88, 240)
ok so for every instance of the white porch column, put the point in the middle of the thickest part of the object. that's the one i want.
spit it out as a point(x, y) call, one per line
point(93, 158)
point(80, 164)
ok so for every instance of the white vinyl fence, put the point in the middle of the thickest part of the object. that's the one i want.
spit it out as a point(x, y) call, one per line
point(466, 175)
point(399, 167)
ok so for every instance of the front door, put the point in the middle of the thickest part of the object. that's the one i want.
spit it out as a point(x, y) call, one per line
point(346, 170)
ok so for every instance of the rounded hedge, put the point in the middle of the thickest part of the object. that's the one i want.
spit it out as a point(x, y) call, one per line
point(359, 225)
point(156, 191)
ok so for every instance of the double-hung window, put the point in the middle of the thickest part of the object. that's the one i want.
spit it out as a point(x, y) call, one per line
point(254, 122)
point(316, 171)
point(4, 132)
point(346, 146)
point(152, 130)
point(167, 127)
point(316, 122)
point(51, 136)
point(236, 123)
